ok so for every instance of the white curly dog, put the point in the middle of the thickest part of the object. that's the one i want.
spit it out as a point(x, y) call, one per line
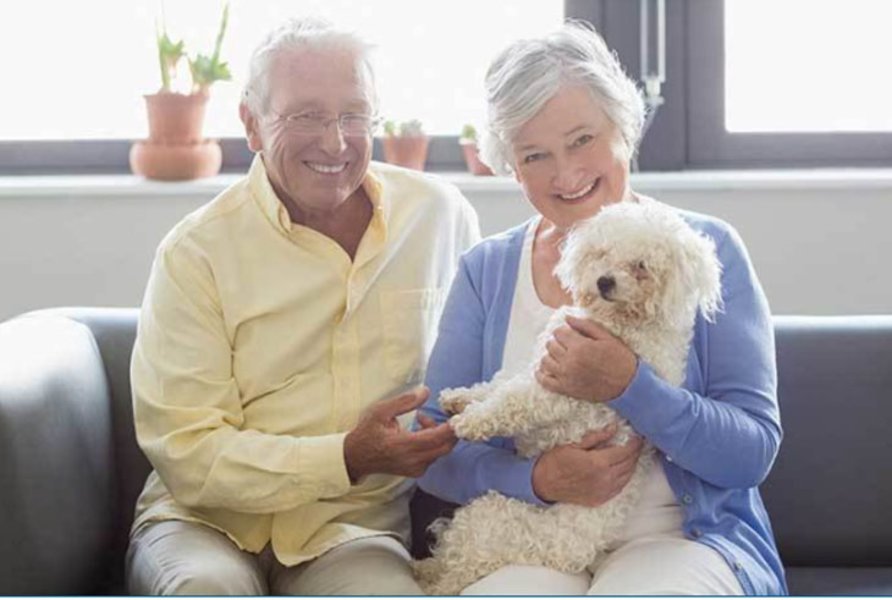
point(639, 270)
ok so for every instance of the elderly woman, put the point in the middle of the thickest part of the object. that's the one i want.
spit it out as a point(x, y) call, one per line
point(565, 120)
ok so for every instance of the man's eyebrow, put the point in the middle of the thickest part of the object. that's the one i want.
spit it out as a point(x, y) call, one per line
point(300, 108)
point(316, 107)
point(359, 106)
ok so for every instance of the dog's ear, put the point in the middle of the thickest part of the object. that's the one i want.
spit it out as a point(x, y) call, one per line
point(703, 273)
point(569, 268)
point(564, 270)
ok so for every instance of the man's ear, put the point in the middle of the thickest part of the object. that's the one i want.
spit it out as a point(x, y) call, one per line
point(252, 127)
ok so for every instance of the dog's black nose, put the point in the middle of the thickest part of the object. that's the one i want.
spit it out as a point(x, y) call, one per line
point(606, 284)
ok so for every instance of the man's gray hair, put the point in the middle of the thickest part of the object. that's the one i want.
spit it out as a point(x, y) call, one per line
point(310, 33)
point(529, 72)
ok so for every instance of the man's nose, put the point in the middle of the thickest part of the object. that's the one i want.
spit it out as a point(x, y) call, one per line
point(333, 141)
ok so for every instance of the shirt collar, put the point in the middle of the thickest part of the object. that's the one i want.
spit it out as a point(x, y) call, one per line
point(275, 210)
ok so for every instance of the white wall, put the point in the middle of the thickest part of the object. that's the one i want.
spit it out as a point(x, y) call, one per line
point(819, 240)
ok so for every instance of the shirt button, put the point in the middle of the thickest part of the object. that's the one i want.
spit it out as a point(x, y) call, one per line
point(696, 533)
point(687, 499)
point(668, 458)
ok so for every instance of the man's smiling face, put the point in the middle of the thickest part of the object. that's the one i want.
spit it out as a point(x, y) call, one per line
point(316, 172)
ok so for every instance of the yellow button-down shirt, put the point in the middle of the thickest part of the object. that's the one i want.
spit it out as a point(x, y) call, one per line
point(259, 344)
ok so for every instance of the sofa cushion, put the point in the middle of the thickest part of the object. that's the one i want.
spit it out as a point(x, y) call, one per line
point(840, 581)
point(830, 491)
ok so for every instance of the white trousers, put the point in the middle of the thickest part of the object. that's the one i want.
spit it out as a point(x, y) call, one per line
point(181, 558)
point(647, 566)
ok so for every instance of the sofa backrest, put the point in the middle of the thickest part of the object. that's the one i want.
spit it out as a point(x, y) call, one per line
point(829, 494)
point(115, 332)
point(830, 490)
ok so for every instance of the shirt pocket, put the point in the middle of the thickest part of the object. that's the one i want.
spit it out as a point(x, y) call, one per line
point(409, 321)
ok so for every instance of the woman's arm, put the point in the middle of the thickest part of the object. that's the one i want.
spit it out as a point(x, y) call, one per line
point(729, 437)
point(471, 469)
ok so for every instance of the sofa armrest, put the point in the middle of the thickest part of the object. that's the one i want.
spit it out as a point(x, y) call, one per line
point(56, 488)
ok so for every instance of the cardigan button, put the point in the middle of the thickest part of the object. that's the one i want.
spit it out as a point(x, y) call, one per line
point(687, 499)
point(696, 533)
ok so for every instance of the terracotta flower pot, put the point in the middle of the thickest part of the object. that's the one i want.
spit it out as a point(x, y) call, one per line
point(472, 158)
point(176, 118)
point(176, 162)
point(406, 151)
point(176, 149)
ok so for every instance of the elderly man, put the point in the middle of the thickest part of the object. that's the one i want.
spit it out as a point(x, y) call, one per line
point(280, 324)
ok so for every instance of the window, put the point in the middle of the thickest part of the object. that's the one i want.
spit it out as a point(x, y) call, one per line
point(805, 80)
point(789, 83)
point(833, 77)
point(749, 83)
point(75, 71)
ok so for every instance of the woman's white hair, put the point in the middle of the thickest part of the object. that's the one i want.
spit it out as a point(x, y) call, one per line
point(310, 33)
point(529, 72)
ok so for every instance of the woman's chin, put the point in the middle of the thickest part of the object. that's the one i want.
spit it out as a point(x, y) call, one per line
point(570, 213)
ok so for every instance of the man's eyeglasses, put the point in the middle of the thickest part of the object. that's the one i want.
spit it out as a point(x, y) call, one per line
point(350, 124)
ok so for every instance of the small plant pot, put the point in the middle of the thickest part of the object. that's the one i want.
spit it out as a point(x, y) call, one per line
point(406, 151)
point(176, 118)
point(176, 162)
point(472, 159)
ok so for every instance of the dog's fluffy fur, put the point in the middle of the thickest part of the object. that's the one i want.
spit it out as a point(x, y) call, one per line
point(663, 272)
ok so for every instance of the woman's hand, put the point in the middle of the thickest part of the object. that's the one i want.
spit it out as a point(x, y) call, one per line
point(588, 473)
point(587, 362)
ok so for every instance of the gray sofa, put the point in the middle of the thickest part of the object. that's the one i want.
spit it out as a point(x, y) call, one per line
point(70, 469)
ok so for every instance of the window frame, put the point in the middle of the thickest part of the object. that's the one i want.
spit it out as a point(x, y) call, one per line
point(111, 157)
point(710, 145)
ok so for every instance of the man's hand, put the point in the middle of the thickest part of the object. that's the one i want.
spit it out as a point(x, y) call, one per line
point(587, 473)
point(585, 361)
point(379, 445)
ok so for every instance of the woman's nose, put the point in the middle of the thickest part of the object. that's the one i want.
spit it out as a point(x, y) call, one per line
point(570, 176)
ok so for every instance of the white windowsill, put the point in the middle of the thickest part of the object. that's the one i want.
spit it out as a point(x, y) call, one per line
point(131, 186)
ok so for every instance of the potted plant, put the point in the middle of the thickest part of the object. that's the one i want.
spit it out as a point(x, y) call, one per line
point(176, 148)
point(405, 144)
point(468, 141)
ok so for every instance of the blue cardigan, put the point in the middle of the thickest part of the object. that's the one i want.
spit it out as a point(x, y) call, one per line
point(718, 434)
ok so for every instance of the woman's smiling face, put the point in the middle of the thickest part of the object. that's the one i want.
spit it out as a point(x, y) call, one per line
point(569, 158)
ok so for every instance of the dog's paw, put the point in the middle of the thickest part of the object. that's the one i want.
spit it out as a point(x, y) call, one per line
point(466, 428)
point(454, 401)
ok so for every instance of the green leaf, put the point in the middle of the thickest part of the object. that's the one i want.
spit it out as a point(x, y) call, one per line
point(169, 54)
point(206, 70)
point(469, 132)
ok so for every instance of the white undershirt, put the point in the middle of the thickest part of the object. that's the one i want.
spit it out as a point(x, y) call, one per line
point(658, 511)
